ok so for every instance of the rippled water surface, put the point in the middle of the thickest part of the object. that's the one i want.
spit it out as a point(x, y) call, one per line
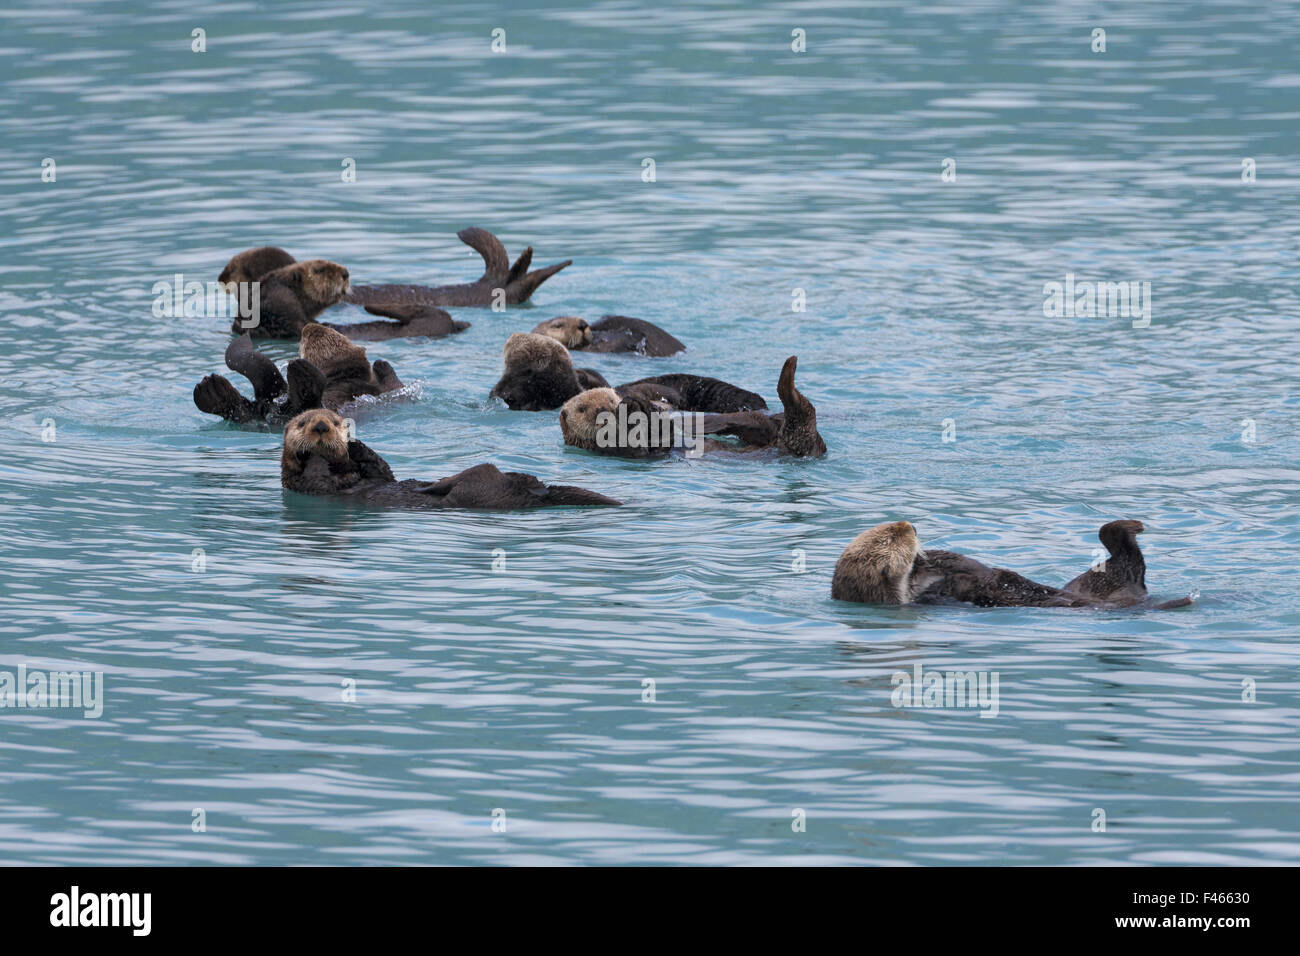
point(229, 618)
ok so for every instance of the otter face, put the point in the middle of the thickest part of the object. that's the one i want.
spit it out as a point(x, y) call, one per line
point(578, 416)
point(320, 280)
point(251, 264)
point(316, 432)
point(569, 330)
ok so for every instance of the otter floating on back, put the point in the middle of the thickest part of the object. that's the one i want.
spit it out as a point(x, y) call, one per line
point(635, 421)
point(319, 459)
point(539, 375)
point(886, 565)
point(291, 297)
point(612, 333)
point(330, 372)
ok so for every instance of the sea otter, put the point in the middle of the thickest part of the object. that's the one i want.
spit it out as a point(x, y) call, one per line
point(331, 372)
point(539, 375)
point(612, 333)
point(416, 308)
point(292, 296)
point(886, 565)
point(643, 426)
point(319, 459)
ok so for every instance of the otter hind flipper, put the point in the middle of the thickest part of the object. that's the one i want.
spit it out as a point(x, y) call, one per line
point(520, 268)
point(1122, 578)
point(521, 290)
point(799, 435)
point(495, 261)
point(242, 357)
point(306, 387)
point(214, 395)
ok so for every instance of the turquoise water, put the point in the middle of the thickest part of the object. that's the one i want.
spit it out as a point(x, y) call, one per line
point(521, 689)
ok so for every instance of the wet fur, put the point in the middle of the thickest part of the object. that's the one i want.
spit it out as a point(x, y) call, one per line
point(319, 459)
point(869, 572)
point(331, 372)
point(612, 333)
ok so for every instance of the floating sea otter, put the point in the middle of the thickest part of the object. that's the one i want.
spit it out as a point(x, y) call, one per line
point(294, 293)
point(319, 459)
point(331, 372)
point(612, 333)
point(886, 565)
point(539, 375)
point(635, 422)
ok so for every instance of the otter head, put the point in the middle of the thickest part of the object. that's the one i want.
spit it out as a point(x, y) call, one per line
point(536, 352)
point(876, 567)
point(318, 280)
point(332, 352)
point(569, 330)
point(251, 264)
point(315, 432)
point(578, 416)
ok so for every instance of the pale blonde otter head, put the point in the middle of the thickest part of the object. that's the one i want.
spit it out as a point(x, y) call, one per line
point(318, 280)
point(331, 351)
point(569, 330)
point(251, 264)
point(315, 432)
point(579, 415)
point(876, 567)
point(539, 352)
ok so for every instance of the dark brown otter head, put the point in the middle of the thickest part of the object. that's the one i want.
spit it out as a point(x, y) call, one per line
point(251, 264)
point(799, 435)
point(315, 432)
point(569, 330)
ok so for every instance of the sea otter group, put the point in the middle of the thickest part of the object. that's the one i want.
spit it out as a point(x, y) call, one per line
point(649, 417)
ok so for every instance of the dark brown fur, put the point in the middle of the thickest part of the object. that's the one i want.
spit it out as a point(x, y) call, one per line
point(319, 459)
point(332, 373)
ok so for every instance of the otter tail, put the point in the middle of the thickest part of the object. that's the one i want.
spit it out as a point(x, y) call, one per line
point(241, 357)
point(517, 281)
point(571, 495)
point(1176, 602)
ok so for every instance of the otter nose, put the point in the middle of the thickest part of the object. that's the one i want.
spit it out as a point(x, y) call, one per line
point(320, 428)
point(345, 273)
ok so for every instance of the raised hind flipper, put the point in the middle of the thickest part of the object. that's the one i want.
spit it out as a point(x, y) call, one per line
point(1121, 579)
point(268, 383)
point(306, 387)
point(495, 261)
point(386, 376)
point(216, 396)
point(799, 435)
